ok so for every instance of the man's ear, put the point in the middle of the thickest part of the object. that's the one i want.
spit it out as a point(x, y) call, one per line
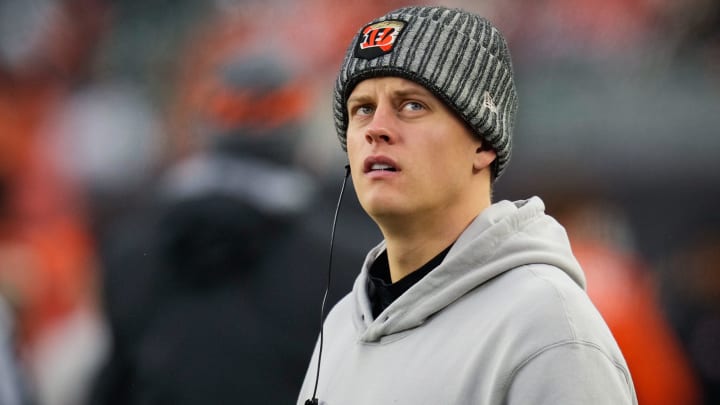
point(484, 156)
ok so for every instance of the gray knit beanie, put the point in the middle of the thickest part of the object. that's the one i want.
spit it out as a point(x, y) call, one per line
point(460, 57)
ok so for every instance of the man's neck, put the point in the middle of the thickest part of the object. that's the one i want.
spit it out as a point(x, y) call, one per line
point(413, 242)
point(404, 258)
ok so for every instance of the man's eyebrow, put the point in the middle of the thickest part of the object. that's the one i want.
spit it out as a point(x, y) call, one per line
point(400, 93)
point(360, 98)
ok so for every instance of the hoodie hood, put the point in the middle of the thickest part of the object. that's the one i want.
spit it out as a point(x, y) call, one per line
point(505, 236)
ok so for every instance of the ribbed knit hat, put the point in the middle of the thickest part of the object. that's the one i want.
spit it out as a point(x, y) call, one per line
point(459, 56)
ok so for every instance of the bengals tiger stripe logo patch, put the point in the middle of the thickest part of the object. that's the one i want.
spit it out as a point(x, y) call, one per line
point(378, 39)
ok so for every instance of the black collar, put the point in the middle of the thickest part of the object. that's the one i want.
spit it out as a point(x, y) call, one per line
point(382, 291)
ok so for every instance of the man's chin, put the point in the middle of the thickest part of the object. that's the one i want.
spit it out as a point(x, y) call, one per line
point(387, 212)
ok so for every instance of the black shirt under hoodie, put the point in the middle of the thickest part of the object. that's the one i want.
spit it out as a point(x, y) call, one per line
point(383, 291)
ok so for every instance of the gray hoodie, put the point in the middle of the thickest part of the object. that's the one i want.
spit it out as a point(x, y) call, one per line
point(504, 319)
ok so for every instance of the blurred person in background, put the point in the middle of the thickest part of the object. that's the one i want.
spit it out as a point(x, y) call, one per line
point(13, 389)
point(625, 291)
point(46, 248)
point(465, 300)
point(691, 290)
point(211, 286)
point(11, 383)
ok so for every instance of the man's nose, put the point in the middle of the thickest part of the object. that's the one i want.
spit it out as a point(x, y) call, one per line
point(382, 128)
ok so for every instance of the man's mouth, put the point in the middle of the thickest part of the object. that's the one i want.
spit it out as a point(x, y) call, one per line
point(382, 166)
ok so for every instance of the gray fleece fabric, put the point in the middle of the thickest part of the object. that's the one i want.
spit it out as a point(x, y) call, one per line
point(504, 319)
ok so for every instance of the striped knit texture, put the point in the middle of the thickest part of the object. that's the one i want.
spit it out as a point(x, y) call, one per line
point(456, 55)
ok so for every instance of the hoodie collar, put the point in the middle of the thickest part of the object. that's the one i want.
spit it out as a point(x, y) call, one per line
point(504, 236)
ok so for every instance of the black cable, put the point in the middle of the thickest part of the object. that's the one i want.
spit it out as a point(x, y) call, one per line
point(314, 400)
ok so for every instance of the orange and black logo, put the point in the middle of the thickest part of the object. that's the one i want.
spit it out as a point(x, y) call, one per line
point(378, 39)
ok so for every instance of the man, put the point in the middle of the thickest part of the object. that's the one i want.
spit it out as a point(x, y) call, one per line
point(464, 301)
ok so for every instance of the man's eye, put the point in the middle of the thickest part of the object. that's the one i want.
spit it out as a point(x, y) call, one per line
point(364, 110)
point(413, 106)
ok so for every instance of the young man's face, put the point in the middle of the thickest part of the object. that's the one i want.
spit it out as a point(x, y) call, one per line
point(409, 154)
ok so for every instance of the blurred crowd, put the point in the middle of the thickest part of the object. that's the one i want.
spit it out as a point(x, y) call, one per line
point(169, 171)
